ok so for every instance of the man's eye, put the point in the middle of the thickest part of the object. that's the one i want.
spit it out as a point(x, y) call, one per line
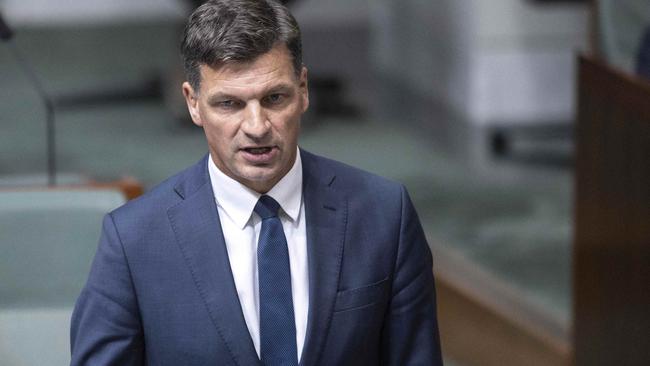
point(227, 104)
point(275, 98)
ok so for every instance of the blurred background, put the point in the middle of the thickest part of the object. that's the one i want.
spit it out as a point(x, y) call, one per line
point(474, 105)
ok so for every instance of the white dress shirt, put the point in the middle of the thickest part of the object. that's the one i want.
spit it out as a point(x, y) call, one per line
point(241, 230)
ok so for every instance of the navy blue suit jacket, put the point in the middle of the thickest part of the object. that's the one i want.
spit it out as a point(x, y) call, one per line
point(160, 291)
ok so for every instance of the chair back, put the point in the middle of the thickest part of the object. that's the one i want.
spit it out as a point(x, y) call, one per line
point(48, 238)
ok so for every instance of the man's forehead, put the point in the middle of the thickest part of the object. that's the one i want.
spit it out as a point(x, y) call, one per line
point(246, 78)
point(277, 56)
point(239, 70)
point(269, 71)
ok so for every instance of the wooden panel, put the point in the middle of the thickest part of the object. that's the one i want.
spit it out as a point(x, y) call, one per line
point(485, 322)
point(612, 219)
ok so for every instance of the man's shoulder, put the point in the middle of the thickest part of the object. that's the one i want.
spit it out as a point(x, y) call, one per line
point(165, 194)
point(347, 179)
point(350, 176)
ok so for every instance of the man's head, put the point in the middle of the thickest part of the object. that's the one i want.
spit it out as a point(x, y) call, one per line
point(225, 31)
point(246, 87)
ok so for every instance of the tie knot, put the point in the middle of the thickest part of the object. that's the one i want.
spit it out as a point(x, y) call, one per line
point(267, 207)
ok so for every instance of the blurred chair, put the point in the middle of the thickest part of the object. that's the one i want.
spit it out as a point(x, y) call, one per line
point(131, 187)
point(47, 240)
point(34, 180)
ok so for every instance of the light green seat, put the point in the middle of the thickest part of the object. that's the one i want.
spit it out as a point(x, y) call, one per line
point(47, 241)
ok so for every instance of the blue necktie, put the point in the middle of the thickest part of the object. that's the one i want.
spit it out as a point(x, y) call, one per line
point(277, 322)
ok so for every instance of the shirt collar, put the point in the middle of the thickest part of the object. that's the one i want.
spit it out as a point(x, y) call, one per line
point(238, 201)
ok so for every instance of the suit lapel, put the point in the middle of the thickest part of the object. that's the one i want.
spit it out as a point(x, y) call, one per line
point(196, 224)
point(326, 215)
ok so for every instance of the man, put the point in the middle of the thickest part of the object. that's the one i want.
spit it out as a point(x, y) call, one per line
point(261, 253)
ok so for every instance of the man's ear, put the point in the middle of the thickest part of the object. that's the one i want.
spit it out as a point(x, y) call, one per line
point(304, 89)
point(192, 100)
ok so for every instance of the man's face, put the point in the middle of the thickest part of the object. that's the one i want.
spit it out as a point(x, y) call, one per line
point(250, 113)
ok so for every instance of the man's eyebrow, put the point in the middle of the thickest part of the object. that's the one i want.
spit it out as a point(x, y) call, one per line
point(279, 88)
point(219, 96)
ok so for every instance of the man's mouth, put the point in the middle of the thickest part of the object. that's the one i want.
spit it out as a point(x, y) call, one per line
point(260, 154)
point(258, 150)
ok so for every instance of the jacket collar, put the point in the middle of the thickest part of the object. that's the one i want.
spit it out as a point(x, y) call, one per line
point(326, 215)
point(196, 225)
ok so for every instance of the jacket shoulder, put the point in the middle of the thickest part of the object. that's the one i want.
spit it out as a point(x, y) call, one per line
point(164, 195)
point(349, 179)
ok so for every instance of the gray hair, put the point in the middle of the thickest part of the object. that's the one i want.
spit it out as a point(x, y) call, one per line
point(224, 31)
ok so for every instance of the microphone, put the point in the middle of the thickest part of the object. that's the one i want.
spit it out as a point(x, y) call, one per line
point(6, 35)
point(5, 31)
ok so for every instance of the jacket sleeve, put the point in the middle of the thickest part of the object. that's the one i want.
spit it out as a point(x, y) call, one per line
point(105, 327)
point(410, 333)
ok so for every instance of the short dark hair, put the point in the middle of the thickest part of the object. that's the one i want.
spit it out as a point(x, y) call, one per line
point(223, 31)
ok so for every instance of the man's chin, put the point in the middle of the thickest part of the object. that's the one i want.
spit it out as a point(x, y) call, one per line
point(256, 177)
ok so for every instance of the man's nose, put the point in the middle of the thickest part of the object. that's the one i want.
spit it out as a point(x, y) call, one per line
point(256, 124)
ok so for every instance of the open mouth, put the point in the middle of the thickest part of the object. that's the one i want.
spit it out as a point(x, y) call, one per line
point(259, 155)
point(258, 150)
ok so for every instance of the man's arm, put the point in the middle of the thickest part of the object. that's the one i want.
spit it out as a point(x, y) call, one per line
point(105, 327)
point(410, 333)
